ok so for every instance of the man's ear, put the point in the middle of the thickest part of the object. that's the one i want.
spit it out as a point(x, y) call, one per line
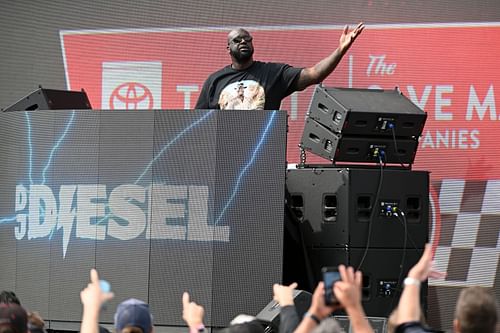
point(456, 326)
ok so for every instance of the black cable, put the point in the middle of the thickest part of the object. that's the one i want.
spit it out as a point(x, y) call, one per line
point(374, 209)
point(396, 150)
point(399, 288)
point(415, 247)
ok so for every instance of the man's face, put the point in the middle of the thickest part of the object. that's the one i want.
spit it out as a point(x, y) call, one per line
point(240, 45)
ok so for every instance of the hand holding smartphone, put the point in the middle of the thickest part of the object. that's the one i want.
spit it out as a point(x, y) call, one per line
point(330, 276)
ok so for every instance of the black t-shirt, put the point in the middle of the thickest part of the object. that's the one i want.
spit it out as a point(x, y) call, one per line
point(413, 327)
point(262, 86)
point(289, 319)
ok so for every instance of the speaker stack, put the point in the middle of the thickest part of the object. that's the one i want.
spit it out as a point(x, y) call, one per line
point(355, 125)
point(367, 208)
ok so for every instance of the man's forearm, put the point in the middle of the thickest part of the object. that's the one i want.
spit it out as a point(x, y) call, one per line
point(409, 304)
point(359, 323)
point(319, 72)
point(326, 66)
point(90, 321)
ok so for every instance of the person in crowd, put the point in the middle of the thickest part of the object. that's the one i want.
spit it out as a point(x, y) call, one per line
point(133, 316)
point(348, 293)
point(92, 298)
point(9, 297)
point(193, 313)
point(35, 323)
point(476, 309)
point(13, 318)
point(248, 84)
point(328, 325)
point(252, 326)
point(392, 321)
point(289, 318)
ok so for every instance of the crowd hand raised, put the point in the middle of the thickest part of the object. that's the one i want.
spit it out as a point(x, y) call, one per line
point(192, 313)
point(93, 297)
point(348, 289)
point(348, 37)
point(423, 269)
point(318, 306)
point(283, 295)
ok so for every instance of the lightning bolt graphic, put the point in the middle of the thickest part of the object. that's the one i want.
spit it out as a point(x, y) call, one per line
point(56, 146)
point(68, 223)
point(8, 219)
point(246, 167)
point(171, 142)
point(162, 151)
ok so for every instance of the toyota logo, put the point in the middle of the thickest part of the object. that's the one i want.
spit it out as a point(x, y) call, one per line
point(131, 96)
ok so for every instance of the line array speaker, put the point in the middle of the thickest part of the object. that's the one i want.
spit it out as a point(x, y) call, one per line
point(51, 99)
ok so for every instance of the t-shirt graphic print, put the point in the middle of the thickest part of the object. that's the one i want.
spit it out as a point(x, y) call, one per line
point(242, 95)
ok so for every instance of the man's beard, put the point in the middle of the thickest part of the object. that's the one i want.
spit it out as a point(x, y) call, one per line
point(242, 56)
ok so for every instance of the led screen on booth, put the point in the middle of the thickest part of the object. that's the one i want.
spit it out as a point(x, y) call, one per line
point(158, 201)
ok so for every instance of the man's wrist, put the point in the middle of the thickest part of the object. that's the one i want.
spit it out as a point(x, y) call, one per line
point(342, 49)
point(354, 308)
point(411, 281)
point(91, 311)
point(313, 317)
point(286, 302)
point(197, 328)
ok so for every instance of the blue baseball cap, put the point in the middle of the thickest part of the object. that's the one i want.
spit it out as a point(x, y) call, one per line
point(133, 312)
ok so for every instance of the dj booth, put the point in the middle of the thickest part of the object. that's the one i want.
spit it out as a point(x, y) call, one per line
point(167, 201)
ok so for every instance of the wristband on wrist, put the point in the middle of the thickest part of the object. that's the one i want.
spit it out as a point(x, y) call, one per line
point(200, 328)
point(411, 281)
point(313, 317)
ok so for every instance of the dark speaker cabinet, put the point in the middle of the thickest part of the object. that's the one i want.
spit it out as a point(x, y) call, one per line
point(337, 207)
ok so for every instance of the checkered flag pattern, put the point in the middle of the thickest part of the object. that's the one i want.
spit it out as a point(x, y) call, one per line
point(466, 227)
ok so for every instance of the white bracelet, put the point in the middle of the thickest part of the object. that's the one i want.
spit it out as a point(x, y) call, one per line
point(411, 281)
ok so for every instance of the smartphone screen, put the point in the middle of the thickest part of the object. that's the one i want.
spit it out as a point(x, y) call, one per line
point(330, 276)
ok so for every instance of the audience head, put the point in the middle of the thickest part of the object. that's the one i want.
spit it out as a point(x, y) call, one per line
point(392, 321)
point(35, 323)
point(9, 297)
point(13, 318)
point(476, 311)
point(252, 326)
point(133, 316)
point(328, 325)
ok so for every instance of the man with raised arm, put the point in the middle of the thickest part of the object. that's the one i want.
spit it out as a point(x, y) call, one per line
point(248, 84)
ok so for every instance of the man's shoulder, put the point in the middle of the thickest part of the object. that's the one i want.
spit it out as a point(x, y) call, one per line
point(277, 68)
point(222, 70)
point(270, 64)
